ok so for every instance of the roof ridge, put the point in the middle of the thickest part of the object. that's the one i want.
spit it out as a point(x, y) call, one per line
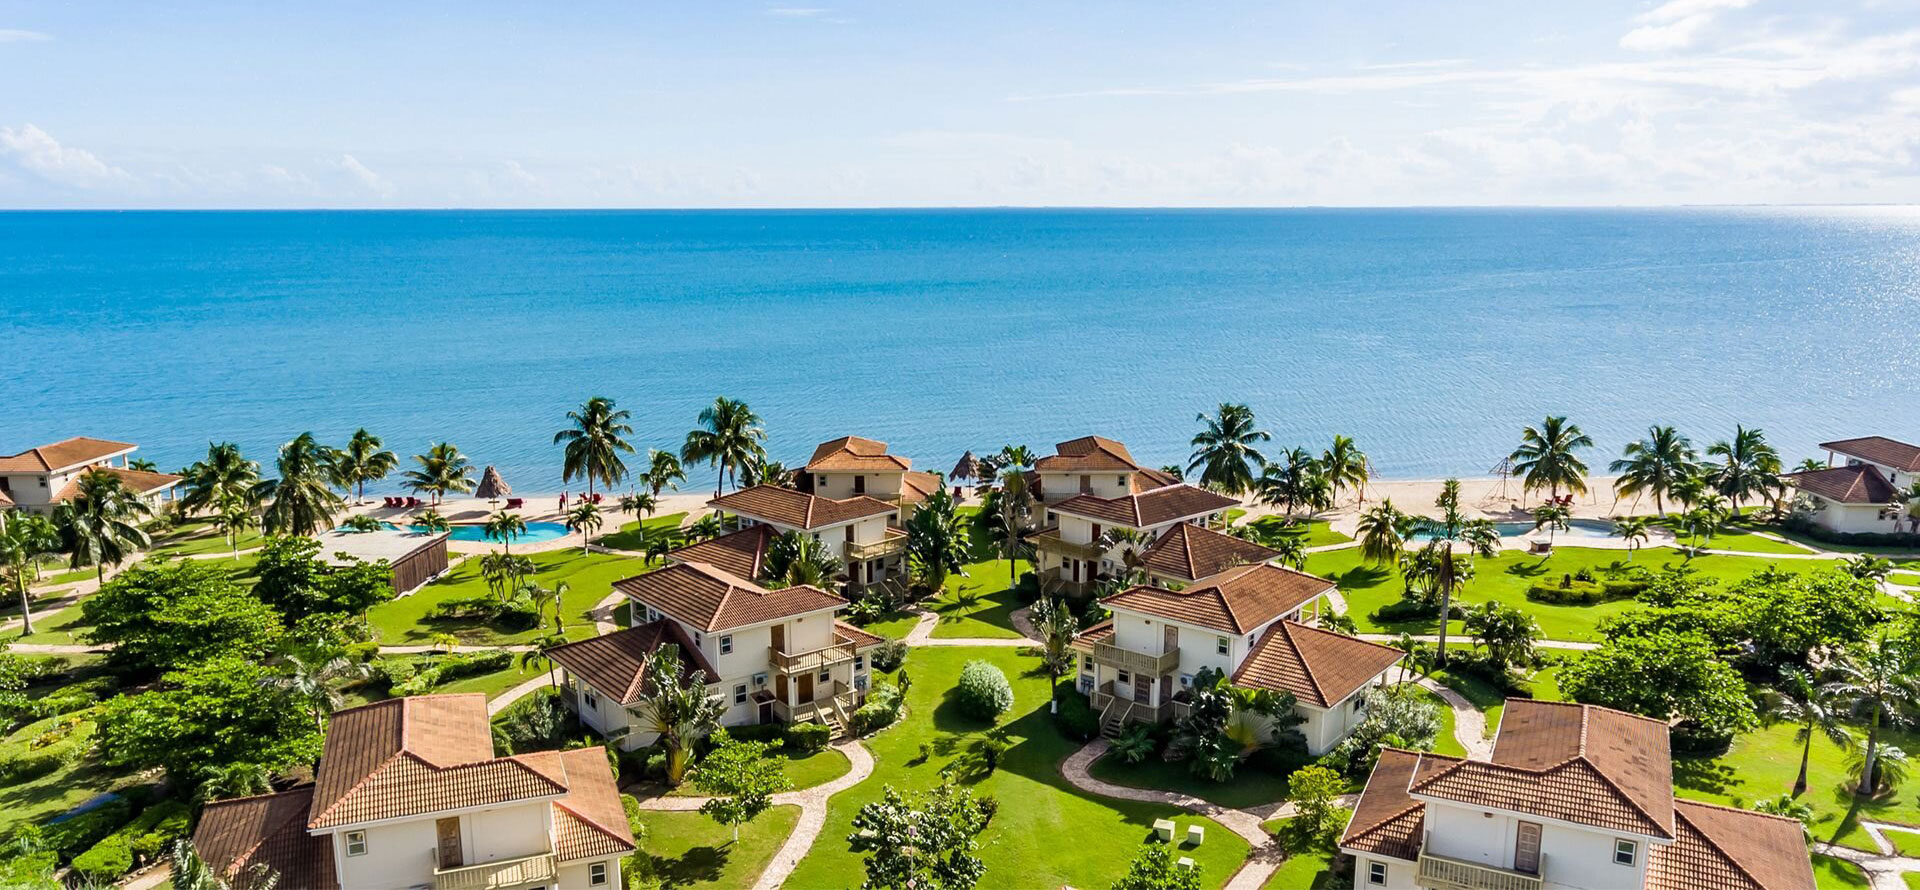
point(588, 821)
point(247, 853)
point(1715, 845)
point(353, 789)
point(1602, 774)
point(1305, 666)
point(1720, 806)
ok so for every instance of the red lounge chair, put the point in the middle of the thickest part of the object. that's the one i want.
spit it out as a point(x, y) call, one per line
point(515, 503)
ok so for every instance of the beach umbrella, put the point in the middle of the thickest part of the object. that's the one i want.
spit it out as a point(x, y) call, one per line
point(491, 486)
point(967, 468)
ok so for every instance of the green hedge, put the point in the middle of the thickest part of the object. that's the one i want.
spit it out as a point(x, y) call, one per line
point(40, 748)
point(448, 668)
point(1571, 592)
point(1077, 719)
point(1804, 526)
point(73, 836)
point(106, 861)
point(809, 737)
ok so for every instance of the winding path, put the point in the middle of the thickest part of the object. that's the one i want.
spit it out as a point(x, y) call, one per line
point(1885, 870)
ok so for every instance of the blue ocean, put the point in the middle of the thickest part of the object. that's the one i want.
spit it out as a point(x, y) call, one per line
point(1431, 336)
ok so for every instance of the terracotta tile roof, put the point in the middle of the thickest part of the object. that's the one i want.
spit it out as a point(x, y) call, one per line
point(713, 599)
point(614, 663)
point(1189, 553)
point(797, 509)
point(855, 453)
point(1881, 450)
point(270, 830)
point(1730, 849)
point(916, 487)
point(1235, 601)
point(4, 500)
point(1387, 821)
point(1147, 479)
point(1087, 453)
point(1161, 505)
point(1860, 484)
point(589, 822)
point(138, 481)
point(1319, 667)
point(1099, 633)
point(62, 455)
point(741, 553)
point(860, 638)
point(420, 754)
point(1579, 763)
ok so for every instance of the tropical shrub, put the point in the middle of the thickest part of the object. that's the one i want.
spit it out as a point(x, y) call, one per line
point(809, 737)
point(105, 861)
point(1397, 715)
point(889, 656)
point(983, 691)
point(1571, 591)
point(71, 837)
point(448, 668)
point(871, 717)
point(43, 747)
point(1076, 718)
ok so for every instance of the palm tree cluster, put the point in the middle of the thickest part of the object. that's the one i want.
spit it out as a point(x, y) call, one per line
point(1666, 466)
point(1225, 456)
point(594, 443)
point(730, 438)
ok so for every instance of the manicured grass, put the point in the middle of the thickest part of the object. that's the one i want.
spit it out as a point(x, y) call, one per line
point(590, 577)
point(67, 577)
point(202, 537)
point(1312, 532)
point(1506, 577)
point(1838, 874)
point(690, 850)
point(635, 535)
point(1912, 878)
point(1311, 870)
point(61, 628)
point(804, 769)
point(978, 604)
point(40, 799)
point(894, 625)
point(1249, 787)
point(1762, 765)
point(1907, 842)
point(1047, 833)
point(1839, 548)
point(1737, 534)
point(1446, 741)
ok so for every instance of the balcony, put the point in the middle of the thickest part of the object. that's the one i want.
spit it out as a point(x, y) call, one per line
point(1444, 873)
point(539, 868)
point(841, 649)
point(1049, 541)
point(1137, 662)
point(894, 544)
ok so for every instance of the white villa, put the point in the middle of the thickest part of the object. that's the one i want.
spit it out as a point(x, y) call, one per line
point(1092, 465)
point(857, 530)
point(1093, 487)
point(1245, 622)
point(1860, 489)
point(853, 467)
point(409, 794)
point(769, 655)
point(1576, 797)
point(39, 479)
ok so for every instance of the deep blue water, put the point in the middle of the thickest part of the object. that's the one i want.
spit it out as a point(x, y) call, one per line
point(1429, 335)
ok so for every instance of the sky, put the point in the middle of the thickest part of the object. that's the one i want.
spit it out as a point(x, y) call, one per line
point(1057, 103)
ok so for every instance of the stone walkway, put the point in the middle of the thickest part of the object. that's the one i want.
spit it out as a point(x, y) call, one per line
point(1469, 722)
point(1885, 870)
point(922, 634)
point(813, 812)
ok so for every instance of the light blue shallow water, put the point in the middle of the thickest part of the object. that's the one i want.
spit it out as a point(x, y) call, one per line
point(1429, 335)
point(535, 533)
point(1576, 528)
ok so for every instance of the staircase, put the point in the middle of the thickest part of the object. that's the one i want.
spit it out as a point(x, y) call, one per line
point(1113, 719)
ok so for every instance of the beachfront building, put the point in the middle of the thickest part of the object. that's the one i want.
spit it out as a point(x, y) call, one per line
point(413, 558)
point(409, 794)
point(1898, 461)
point(768, 655)
point(1249, 622)
point(1863, 489)
point(850, 467)
point(1092, 465)
point(1188, 552)
point(40, 479)
point(1576, 797)
point(857, 530)
point(1091, 537)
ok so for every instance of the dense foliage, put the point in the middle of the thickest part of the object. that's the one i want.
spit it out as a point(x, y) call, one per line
point(164, 616)
point(294, 581)
point(925, 842)
point(211, 717)
point(983, 691)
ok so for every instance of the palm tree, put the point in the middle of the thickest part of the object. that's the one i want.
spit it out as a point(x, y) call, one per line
point(316, 682)
point(635, 504)
point(1011, 515)
point(1878, 682)
point(143, 465)
point(1223, 451)
point(24, 538)
point(100, 523)
point(224, 476)
point(1479, 536)
point(657, 548)
point(1701, 522)
point(1381, 537)
point(594, 443)
point(443, 470)
point(302, 501)
point(761, 471)
point(705, 528)
point(1653, 465)
point(1057, 629)
point(1132, 544)
point(1291, 550)
point(432, 522)
point(364, 460)
point(1748, 465)
point(676, 707)
point(1868, 567)
point(1690, 489)
point(1813, 711)
point(504, 527)
point(729, 439)
point(583, 517)
point(937, 537)
point(1633, 530)
point(1552, 517)
point(663, 472)
point(1345, 466)
point(1292, 481)
point(795, 559)
point(233, 518)
point(543, 651)
point(1546, 457)
point(1809, 465)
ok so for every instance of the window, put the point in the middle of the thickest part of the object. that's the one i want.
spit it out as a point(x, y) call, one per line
point(1122, 678)
point(1624, 852)
point(698, 640)
point(826, 675)
point(597, 874)
point(1358, 704)
point(859, 662)
point(593, 701)
point(726, 645)
point(821, 482)
point(1377, 874)
point(1220, 645)
point(1120, 480)
point(1086, 663)
point(356, 843)
point(740, 694)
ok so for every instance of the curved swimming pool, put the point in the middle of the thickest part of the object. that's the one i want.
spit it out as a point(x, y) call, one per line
point(1576, 528)
point(535, 533)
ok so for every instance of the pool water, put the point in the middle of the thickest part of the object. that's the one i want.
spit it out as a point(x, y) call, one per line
point(535, 533)
point(1576, 528)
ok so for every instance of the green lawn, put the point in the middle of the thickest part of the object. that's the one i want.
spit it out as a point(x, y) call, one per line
point(201, 537)
point(635, 535)
point(1762, 765)
point(590, 578)
point(978, 604)
point(690, 850)
point(1302, 871)
point(61, 628)
point(1838, 874)
point(893, 625)
point(1907, 842)
point(36, 800)
point(1024, 846)
point(804, 769)
point(1249, 787)
point(1737, 534)
point(1446, 742)
point(1507, 576)
point(1312, 532)
point(1840, 548)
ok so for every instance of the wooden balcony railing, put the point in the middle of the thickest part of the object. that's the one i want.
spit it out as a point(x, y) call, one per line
point(1050, 542)
point(841, 649)
point(1445, 873)
point(539, 868)
point(1138, 662)
point(893, 544)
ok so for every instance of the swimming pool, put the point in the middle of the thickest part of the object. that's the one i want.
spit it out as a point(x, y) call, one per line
point(1576, 528)
point(535, 533)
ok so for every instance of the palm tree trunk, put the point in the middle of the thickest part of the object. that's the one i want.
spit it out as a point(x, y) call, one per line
point(1446, 610)
point(1872, 759)
point(26, 609)
point(1806, 753)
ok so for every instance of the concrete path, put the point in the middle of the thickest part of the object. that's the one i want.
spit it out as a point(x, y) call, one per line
point(160, 875)
point(1465, 640)
point(922, 634)
point(500, 702)
point(1885, 870)
point(813, 812)
point(602, 614)
point(1469, 722)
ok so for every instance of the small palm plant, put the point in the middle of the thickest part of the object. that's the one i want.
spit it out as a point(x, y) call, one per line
point(504, 527)
point(1632, 530)
point(1552, 517)
point(584, 518)
point(1135, 744)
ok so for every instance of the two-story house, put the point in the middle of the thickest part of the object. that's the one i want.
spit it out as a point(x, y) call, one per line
point(1092, 465)
point(768, 655)
point(1076, 550)
point(1862, 488)
point(1576, 797)
point(1187, 552)
point(857, 530)
point(39, 479)
point(409, 794)
point(853, 467)
point(1244, 622)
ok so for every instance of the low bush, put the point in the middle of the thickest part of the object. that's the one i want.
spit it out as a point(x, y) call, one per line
point(1076, 718)
point(889, 656)
point(809, 737)
point(873, 716)
point(983, 691)
point(106, 861)
point(71, 837)
point(517, 613)
point(1409, 609)
point(29, 869)
point(42, 747)
point(1027, 588)
point(448, 668)
point(1572, 591)
point(758, 732)
point(1803, 525)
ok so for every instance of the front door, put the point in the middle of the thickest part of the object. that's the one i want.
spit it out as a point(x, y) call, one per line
point(766, 712)
point(1142, 688)
point(780, 638)
point(1526, 849)
point(1169, 639)
point(448, 831)
point(780, 688)
point(806, 687)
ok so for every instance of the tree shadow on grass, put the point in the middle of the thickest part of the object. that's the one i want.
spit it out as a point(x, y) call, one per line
point(699, 865)
point(1704, 775)
point(1363, 576)
point(1523, 570)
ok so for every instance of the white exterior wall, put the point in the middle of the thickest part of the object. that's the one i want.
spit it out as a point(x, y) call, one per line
point(402, 854)
point(1399, 873)
point(1851, 518)
point(1900, 478)
point(1057, 487)
point(1573, 857)
point(575, 876)
point(838, 484)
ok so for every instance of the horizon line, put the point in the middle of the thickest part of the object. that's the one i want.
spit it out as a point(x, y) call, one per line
point(806, 208)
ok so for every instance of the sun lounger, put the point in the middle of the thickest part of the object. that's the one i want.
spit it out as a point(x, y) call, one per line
point(516, 503)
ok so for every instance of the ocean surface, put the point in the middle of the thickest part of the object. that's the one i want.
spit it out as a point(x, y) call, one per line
point(1431, 336)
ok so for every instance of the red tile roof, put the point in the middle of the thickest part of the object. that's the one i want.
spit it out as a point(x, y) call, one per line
point(1386, 820)
point(1861, 484)
point(1881, 450)
point(798, 509)
point(1320, 667)
point(1155, 507)
point(137, 481)
point(855, 453)
point(741, 553)
point(1234, 601)
point(713, 599)
point(64, 454)
point(1087, 453)
point(916, 487)
point(1189, 552)
point(270, 830)
point(615, 663)
point(589, 822)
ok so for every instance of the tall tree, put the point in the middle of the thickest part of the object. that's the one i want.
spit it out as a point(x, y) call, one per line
point(1878, 682)
point(663, 472)
point(1812, 710)
point(1633, 530)
point(584, 518)
point(208, 718)
point(24, 538)
point(315, 681)
point(740, 781)
point(1382, 535)
point(676, 707)
point(1546, 458)
point(1009, 515)
point(1552, 517)
point(504, 527)
point(796, 559)
point(595, 442)
point(1450, 532)
point(100, 523)
point(160, 616)
point(1057, 629)
point(302, 501)
point(443, 470)
point(1292, 481)
point(1653, 466)
point(729, 439)
point(1747, 465)
point(926, 842)
point(364, 460)
point(937, 537)
point(1224, 452)
point(224, 476)
point(1345, 466)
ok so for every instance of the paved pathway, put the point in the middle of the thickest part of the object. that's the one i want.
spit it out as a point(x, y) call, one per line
point(922, 634)
point(1469, 722)
point(1885, 870)
point(813, 812)
point(500, 702)
point(1464, 640)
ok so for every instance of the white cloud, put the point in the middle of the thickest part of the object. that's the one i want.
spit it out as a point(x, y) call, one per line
point(16, 35)
point(372, 181)
point(35, 151)
point(1676, 24)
